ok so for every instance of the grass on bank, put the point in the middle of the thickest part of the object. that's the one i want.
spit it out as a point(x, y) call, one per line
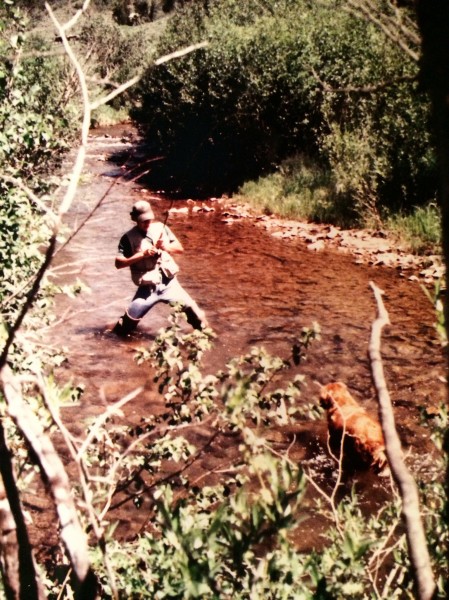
point(420, 230)
point(298, 190)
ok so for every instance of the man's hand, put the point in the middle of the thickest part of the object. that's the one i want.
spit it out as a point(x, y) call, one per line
point(172, 247)
point(160, 244)
point(150, 251)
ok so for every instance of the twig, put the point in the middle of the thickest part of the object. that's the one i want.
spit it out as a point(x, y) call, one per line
point(104, 417)
point(31, 195)
point(394, 29)
point(31, 296)
point(121, 88)
point(416, 539)
point(91, 212)
point(339, 462)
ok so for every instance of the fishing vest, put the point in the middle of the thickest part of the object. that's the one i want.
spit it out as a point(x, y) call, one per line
point(140, 241)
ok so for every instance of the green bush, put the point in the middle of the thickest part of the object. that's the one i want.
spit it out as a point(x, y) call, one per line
point(276, 80)
point(116, 54)
point(36, 128)
point(420, 228)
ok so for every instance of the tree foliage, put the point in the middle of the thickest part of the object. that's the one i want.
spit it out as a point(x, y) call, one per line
point(35, 131)
point(283, 78)
point(134, 12)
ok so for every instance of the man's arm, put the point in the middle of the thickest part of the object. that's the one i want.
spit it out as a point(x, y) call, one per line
point(125, 258)
point(169, 242)
point(172, 247)
point(121, 261)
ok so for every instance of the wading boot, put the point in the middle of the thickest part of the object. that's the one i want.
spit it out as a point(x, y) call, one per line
point(194, 319)
point(125, 325)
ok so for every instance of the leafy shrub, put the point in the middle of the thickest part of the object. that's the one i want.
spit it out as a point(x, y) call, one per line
point(420, 228)
point(288, 78)
point(35, 131)
point(116, 54)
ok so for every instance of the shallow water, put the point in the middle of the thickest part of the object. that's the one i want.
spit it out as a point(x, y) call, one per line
point(256, 290)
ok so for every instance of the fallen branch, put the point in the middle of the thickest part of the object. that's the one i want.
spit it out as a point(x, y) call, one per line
point(19, 571)
point(416, 539)
point(54, 474)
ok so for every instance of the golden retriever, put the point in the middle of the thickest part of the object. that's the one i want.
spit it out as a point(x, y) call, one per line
point(363, 434)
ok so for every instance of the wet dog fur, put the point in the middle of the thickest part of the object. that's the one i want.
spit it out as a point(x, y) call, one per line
point(364, 442)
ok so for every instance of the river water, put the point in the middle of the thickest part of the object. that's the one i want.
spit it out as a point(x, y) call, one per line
point(256, 290)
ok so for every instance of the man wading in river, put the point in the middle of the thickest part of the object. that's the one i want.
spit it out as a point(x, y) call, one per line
point(146, 249)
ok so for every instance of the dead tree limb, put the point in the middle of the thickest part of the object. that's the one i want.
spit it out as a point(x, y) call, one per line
point(394, 23)
point(9, 548)
point(416, 539)
point(19, 571)
point(54, 474)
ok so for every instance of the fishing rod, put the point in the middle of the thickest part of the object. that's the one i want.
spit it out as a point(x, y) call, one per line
point(105, 194)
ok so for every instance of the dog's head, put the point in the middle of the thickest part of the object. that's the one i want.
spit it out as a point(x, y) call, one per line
point(335, 394)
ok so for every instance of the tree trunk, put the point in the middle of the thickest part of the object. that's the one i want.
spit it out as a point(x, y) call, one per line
point(433, 20)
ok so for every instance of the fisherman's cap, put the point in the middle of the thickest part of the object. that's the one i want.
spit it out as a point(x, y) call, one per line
point(141, 211)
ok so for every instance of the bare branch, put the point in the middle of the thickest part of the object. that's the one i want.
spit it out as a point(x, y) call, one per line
point(29, 301)
point(398, 28)
point(398, 19)
point(95, 520)
point(104, 417)
point(54, 473)
point(120, 89)
point(8, 544)
point(75, 17)
point(416, 539)
point(163, 59)
point(79, 162)
point(31, 195)
point(179, 53)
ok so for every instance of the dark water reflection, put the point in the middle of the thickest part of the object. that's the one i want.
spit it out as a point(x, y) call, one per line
point(256, 290)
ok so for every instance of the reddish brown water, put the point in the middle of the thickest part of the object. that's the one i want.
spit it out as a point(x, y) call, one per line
point(256, 290)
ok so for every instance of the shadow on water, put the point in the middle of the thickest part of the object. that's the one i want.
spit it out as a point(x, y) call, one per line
point(256, 290)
